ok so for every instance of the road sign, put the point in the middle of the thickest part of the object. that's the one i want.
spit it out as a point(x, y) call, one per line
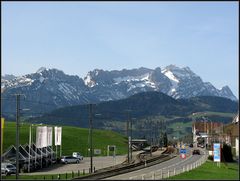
point(183, 151)
point(216, 152)
point(183, 156)
point(97, 151)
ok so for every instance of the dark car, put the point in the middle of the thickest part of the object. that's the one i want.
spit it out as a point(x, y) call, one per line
point(196, 152)
point(191, 145)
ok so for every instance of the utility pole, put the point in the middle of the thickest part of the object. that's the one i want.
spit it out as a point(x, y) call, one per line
point(91, 146)
point(128, 114)
point(151, 141)
point(131, 139)
point(17, 133)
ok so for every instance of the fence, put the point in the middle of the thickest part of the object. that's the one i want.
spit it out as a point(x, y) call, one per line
point(168, 172)
point(62, 176)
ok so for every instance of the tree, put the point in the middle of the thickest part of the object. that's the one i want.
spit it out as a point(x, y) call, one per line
point(227, 153)
point(165, 140)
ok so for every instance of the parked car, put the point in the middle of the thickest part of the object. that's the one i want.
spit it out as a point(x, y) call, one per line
point(196, 152)
point(191, 145)
point(69, 159)
point(77, 155)
point(8, 168)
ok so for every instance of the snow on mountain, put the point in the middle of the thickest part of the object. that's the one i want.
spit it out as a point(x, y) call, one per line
point(170, 75)
point(88, 81)
point(131, 78)
point(55, 87)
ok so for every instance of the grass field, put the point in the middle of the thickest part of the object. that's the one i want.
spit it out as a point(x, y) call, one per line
point(210, 171)
point(74, 139)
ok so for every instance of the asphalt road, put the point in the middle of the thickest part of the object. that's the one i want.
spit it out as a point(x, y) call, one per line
point(177, 163)
point(98, 163)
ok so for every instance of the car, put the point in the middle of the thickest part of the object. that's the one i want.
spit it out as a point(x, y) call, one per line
point(8, 168)
point(191, 145)
point(196, 152)
point(69, 159)
point(77, 155)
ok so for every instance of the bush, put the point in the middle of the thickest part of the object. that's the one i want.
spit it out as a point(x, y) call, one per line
point(210, 157)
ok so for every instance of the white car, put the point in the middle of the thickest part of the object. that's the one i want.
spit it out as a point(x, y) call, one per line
point(70, 159)
point(77, 155)
point(8, 168)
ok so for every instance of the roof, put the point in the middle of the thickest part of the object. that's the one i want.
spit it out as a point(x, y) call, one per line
point(24, 152)
point(139, 140)
point(10, 154)
point(38, 150)
point(32, 152)
point(206, 126)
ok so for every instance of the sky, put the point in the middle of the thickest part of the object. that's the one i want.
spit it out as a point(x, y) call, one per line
point(78, 37)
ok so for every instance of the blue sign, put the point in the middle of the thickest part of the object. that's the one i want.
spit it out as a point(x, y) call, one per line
point(183, 151)
point(216, 152)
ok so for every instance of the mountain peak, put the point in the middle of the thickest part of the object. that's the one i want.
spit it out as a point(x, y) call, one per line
point(225, 88)
point(171, 66)
point(41, 69)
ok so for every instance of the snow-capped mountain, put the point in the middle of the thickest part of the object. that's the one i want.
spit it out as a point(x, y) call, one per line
point(171, 80)
point(56, 89)
point(45, 90)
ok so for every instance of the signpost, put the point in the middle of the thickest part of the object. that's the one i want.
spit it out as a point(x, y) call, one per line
point(112, 148)
point(97, 151)
point(183, 153)
point(216, 152)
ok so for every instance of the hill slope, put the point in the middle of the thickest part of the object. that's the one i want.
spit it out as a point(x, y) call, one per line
point(73, 139)
point(141, 106)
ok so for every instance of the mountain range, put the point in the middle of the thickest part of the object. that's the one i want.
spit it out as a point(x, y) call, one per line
point(141, 106)
point(48, 89)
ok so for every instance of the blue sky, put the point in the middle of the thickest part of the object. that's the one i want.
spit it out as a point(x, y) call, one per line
point(77, 37)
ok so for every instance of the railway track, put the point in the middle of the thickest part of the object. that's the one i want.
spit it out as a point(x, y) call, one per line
point(143, 160)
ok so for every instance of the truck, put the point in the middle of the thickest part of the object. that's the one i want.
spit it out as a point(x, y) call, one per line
point(77, 155)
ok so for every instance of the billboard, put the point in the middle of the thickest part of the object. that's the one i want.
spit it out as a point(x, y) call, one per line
point(58, 135)
point(44, 136)
point(41, 136)
point(49, 136)
point(216, 152)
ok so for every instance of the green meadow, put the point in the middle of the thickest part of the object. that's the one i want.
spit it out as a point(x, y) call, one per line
point(74, 139)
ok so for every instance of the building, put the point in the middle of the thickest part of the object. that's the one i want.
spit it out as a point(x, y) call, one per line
point(29, 154)
point(216, 132)
point(207, 132)
point(138, 144)
point(231, 135)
